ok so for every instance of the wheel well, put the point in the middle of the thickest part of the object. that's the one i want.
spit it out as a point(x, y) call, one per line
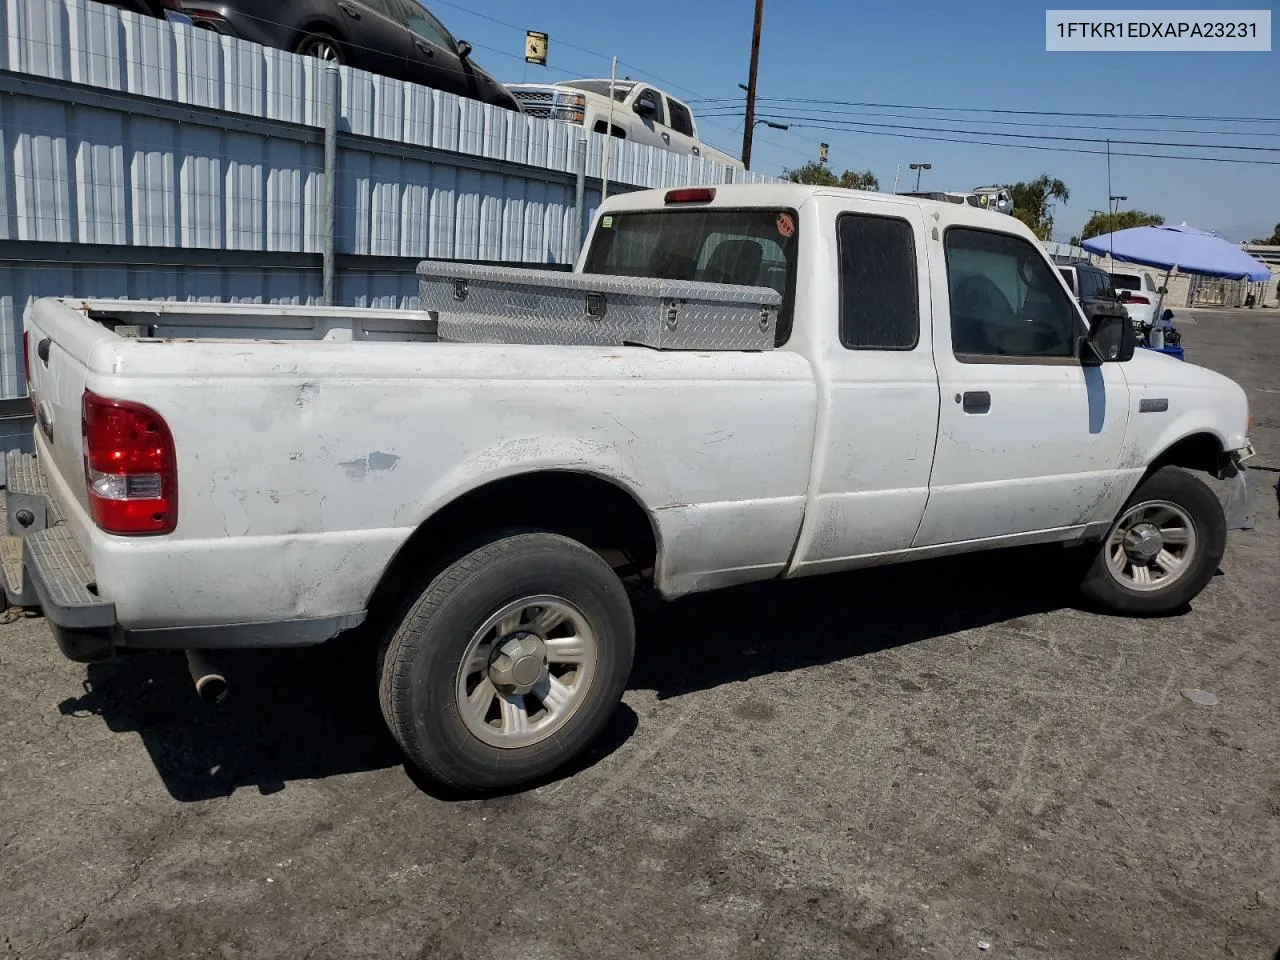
point(324, 29)
point(596, 512)
point(1200, 451)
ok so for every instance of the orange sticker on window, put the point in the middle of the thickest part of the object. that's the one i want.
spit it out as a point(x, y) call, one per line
point(786, 225)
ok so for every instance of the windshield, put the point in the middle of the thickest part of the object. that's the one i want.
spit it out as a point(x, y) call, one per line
point(1125, 281)
point(750, 248)
point(620, 89)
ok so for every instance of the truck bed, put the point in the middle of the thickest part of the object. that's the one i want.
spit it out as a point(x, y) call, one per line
point(254, 321)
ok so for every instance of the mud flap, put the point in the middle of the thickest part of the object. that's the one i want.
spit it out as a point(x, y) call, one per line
point(1239, 509)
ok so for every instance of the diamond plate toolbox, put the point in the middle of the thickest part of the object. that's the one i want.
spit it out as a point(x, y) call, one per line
point(485, 304)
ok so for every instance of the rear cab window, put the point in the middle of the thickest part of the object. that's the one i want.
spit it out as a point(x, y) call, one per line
point(750, 248)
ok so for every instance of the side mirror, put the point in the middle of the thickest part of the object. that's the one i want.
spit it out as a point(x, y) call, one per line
point(1123, 296)
point(645, 108)
point(1110, 340)
point(464, 49)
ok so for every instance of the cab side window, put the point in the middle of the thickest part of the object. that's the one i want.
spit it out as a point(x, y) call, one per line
point(879, 300)
point(659, 115)
point(424, 25)
point(1005, 300)
point(681, 118)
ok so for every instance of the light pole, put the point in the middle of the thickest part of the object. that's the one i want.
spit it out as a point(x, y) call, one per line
point(919, 168)
point(1115, 204)
point(772, 125)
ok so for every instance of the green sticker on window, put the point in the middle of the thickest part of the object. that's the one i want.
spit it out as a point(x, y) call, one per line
point(607, 223)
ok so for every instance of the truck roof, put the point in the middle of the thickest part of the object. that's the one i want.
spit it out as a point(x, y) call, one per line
point(795, 195)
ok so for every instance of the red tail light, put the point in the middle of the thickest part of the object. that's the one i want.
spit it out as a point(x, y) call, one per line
point(1132, 298)
point(691, 195)
point(130, 467)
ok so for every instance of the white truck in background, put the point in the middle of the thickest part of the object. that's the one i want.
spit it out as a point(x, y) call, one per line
point(737, 384)
point(640, 112)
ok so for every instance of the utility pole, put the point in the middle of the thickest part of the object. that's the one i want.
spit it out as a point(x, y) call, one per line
point(749, 132)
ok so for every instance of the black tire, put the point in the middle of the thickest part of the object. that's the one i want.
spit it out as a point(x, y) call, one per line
point(422, 657)
point(313, 42)
point(1193, 497)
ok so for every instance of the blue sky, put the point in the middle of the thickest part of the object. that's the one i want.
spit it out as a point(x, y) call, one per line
point(935, 54)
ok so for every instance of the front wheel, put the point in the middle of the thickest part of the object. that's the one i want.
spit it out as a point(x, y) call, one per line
point(1162, 550)
point(509, 663)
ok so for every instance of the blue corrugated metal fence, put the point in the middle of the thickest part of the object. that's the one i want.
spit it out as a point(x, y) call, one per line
point(142, 159)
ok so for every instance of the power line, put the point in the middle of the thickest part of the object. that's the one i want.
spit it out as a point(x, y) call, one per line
point(1032, 146)
point(844, 124)
point(1029, 113)
point(1056, 125)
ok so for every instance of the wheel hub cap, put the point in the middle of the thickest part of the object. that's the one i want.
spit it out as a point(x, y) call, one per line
point(519, 663)
point(1143, 542)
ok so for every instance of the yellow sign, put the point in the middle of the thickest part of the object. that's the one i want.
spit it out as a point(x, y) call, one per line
point(535, 48)
point(822, 152)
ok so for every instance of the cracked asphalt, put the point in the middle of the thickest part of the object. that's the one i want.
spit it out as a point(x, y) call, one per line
point(916, 762)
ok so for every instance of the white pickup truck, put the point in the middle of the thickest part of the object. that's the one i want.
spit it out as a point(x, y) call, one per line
point(639, 112)
point(211, 476)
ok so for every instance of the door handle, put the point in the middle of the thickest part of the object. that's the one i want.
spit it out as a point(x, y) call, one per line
point(697, 151)
point(424, 47)
point(349, 10)
point(976, 401)
point(666, 138)
point(42, 350)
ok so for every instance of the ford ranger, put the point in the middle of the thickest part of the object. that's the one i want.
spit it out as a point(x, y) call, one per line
point(831, 380)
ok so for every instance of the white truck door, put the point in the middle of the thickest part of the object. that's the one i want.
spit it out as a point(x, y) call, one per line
point(650, 125)
point(1029, 439)
point(872, 349)
point(681, 128)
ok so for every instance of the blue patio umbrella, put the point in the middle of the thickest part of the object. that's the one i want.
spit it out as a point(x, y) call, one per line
point(1184, 247)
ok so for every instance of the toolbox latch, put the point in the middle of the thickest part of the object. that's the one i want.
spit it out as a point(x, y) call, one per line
point(597, 305)
point(459, 289)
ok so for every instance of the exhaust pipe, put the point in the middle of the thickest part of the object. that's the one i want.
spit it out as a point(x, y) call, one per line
point(211, 686)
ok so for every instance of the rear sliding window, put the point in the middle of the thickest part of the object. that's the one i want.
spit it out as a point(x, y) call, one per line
point(746, 248)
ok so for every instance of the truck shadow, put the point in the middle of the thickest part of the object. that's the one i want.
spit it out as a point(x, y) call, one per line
point(313, 713)
point(733, 635)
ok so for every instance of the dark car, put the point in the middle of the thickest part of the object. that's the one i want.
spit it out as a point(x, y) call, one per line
point(1093, 288)
point(396, 38)
point(161, 9)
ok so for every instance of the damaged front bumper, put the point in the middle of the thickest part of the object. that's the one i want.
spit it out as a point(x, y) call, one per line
point(1239, 508)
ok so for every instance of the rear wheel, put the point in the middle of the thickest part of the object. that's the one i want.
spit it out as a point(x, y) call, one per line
point(509, 663)
point(1163, 548)
point(322, 46)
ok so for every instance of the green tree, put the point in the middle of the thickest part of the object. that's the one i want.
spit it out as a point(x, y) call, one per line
point(853, 180)
point(1271, 241)
point(1101, 223)
point(1033, 202)
point(820, 175)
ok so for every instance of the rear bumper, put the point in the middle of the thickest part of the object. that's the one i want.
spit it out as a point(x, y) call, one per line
point(44, 566)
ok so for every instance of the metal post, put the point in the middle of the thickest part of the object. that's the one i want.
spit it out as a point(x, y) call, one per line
point(329, 199)
point(748, 133)
point(608, 134)
point(581, 201)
